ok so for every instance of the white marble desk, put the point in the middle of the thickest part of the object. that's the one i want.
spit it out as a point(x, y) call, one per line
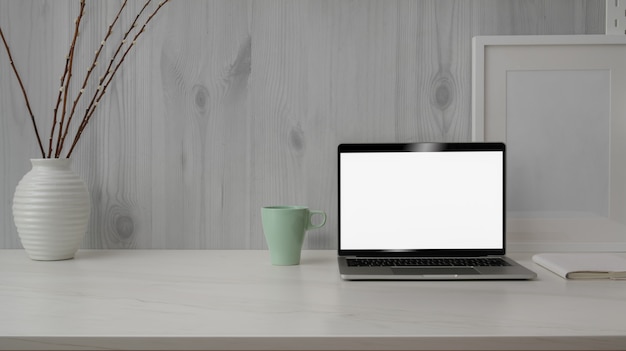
point(236, 300)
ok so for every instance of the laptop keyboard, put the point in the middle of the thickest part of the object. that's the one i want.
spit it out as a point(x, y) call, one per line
point(427, 262)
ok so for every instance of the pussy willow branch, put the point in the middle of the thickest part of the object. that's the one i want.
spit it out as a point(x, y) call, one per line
point(119, 48)
point(56, 107)
point(66, 88)
point(19, 80)
point(88, 75)
point(103, 88)
point(107, 71)
point(106, 78)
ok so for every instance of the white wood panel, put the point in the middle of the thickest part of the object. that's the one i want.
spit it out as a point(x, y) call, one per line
point(226, 106)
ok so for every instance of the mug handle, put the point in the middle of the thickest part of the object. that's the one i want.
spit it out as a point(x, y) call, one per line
point(311, 214)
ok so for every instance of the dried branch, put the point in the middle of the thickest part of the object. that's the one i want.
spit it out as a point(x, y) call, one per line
point(58, 103)
point(56, 106)
point(101, 90)
point(19, 80)
point(119, 48)
point(88, 75)
point(66, 71)
point(65, 121)
point(96, 97)
point(69, 77)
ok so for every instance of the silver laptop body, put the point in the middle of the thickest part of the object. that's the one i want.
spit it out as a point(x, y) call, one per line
point(423, 211)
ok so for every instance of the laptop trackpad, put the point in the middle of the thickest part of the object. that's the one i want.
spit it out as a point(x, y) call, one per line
point(435, 271)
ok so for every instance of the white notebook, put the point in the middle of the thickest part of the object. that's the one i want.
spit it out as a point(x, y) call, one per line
point(583, 265)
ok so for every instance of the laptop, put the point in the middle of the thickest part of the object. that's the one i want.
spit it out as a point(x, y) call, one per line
point(423, 211)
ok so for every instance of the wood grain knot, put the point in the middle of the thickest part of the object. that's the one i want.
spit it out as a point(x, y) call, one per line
point(296, 139)
point(443, 92)
point(124, 226)
point(201, 99)
point(243, 62)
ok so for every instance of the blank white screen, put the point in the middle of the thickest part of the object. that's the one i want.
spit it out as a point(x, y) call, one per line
point(421, 200)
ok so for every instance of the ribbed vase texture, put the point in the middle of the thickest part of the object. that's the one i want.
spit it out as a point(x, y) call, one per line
point(51, 210)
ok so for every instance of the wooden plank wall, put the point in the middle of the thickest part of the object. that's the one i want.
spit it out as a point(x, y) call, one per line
point(229, 105)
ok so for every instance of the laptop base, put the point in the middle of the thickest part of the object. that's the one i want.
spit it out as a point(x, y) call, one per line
point(514, 271)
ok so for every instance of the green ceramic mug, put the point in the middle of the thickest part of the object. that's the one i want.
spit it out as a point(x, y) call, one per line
point(284, 228)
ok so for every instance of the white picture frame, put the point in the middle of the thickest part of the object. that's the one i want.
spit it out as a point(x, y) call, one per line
point(559, 103)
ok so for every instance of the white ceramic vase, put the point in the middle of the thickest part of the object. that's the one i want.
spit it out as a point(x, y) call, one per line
point(51, 210)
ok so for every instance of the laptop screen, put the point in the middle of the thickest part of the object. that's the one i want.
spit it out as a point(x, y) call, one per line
point(421, 197)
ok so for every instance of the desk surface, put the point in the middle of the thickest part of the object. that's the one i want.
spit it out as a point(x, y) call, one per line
point(123, 299)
